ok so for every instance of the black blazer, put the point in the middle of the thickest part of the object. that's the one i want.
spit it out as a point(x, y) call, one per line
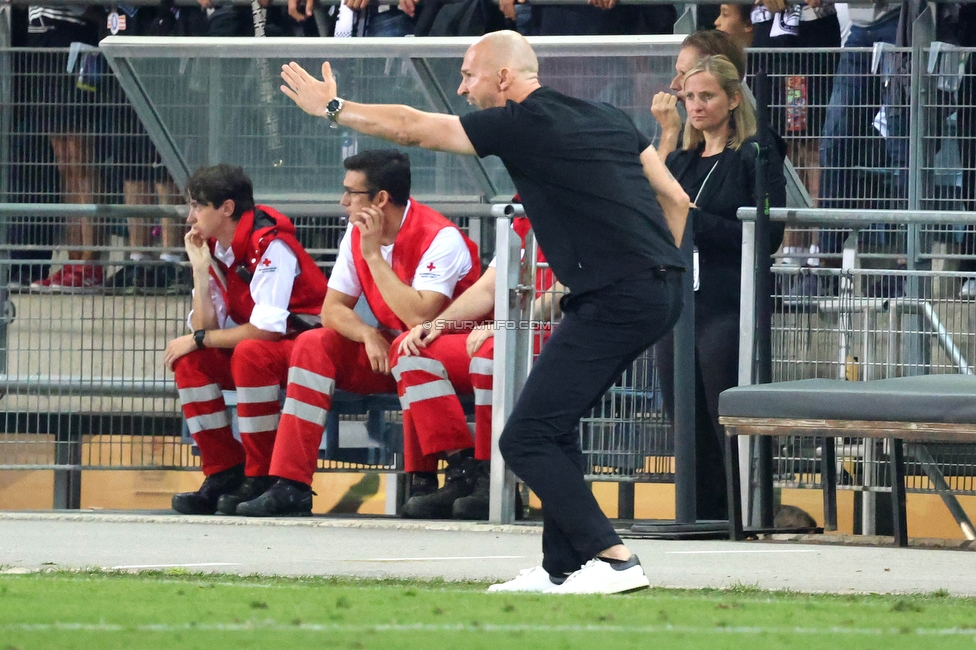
point(717, 231)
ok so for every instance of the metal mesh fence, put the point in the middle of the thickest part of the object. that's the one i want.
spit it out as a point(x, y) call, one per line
point(81, 373)
point(844, 115)
point(74, 137)
point(862, 324)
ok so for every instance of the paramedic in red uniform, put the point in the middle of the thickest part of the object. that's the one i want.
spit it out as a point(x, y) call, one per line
point(254, 289)
point(408, 261)
point(433, 365)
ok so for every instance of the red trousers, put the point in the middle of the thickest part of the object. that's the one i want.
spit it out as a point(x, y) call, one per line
point(257, 369)
point(321, 361)
point(428, 385)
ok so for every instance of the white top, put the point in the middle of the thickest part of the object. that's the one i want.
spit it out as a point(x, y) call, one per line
point(270, 288)
point(445, 262)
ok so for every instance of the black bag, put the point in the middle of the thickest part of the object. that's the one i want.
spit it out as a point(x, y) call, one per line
point(459, 18)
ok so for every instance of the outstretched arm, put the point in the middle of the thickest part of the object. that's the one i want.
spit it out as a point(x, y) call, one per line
point(400, 124)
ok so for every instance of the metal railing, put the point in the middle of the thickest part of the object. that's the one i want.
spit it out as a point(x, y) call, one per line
point(859, 324)
point(178, 88)
point(82, 381)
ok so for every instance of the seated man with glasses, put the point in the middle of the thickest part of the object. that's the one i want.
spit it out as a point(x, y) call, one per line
point(409, 262)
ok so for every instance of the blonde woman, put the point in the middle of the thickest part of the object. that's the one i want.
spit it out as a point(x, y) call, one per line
point(717, 169)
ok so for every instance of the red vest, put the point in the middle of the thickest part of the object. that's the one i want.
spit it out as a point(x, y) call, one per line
point(411, 242)
point(249, 244)
point(544, 277)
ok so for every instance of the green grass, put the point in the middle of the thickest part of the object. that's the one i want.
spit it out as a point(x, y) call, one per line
point(173, 609)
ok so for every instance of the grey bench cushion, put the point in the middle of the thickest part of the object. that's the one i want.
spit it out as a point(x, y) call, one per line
point(926, 398)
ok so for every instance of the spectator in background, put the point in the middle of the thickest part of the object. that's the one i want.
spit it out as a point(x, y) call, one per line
point(851, 149)
point(598, 18)
point(67, 107)
point(214, 19)
point(254, 290)
point(966, 125)
point(33, 176)
point(664, 106)
point(717, 168)
point(736, 21)
point(135, 161)
point(408, 261)
point(361, 17)
point(801, 84)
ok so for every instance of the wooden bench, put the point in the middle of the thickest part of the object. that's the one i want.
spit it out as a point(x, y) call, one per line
point(922, 409)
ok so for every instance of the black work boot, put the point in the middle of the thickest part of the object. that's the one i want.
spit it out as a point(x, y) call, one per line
point(285, 498)
point(423, 483)
point(459, 480)
point(204, 500)
point(474, 507)
point(251, 488)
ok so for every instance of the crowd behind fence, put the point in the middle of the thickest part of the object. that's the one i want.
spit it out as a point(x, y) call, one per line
point(902, 305)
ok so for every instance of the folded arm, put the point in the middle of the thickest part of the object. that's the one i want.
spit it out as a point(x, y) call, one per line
point(673, 199)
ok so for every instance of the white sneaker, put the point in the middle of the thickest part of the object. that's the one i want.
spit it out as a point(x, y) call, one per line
point(968, 289)
point(599, 577)
point(535, 580)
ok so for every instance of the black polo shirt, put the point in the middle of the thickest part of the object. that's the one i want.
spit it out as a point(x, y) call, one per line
point(576, 165)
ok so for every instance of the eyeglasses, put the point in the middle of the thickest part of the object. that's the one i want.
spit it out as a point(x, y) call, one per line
point(352, 192)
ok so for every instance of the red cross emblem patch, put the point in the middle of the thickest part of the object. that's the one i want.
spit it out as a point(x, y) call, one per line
point(431, 267)
point(266, 262)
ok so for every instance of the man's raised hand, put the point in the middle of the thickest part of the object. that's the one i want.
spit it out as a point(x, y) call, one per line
point(197, 250)
point(310, 94)
point(295, 13)
point(369, 221)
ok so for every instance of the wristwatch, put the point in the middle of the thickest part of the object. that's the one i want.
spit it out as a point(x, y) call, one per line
point(198, 337)
point(332, 110)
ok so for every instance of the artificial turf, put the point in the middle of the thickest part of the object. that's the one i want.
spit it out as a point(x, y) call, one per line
point(173, 609)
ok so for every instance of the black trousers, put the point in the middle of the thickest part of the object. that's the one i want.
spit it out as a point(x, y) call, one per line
point(716, 369)
point(601, 334)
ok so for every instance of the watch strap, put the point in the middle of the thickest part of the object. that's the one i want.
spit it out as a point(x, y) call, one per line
point(333, 108)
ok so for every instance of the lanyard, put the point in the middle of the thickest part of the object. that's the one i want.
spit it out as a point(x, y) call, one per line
point(695, 264)
point(702, 188)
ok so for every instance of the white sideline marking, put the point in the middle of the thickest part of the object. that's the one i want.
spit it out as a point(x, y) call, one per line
point(505, 629)
point(757, 550)
point(170, 566)
point(441, 559)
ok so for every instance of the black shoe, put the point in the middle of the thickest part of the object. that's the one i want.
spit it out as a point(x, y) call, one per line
point(251, 488)
point(175, 279)
point(459, 481)
point(283, 499)
point(130, 276)
point(423, 483)
point(474, 507)
point(204, 500)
